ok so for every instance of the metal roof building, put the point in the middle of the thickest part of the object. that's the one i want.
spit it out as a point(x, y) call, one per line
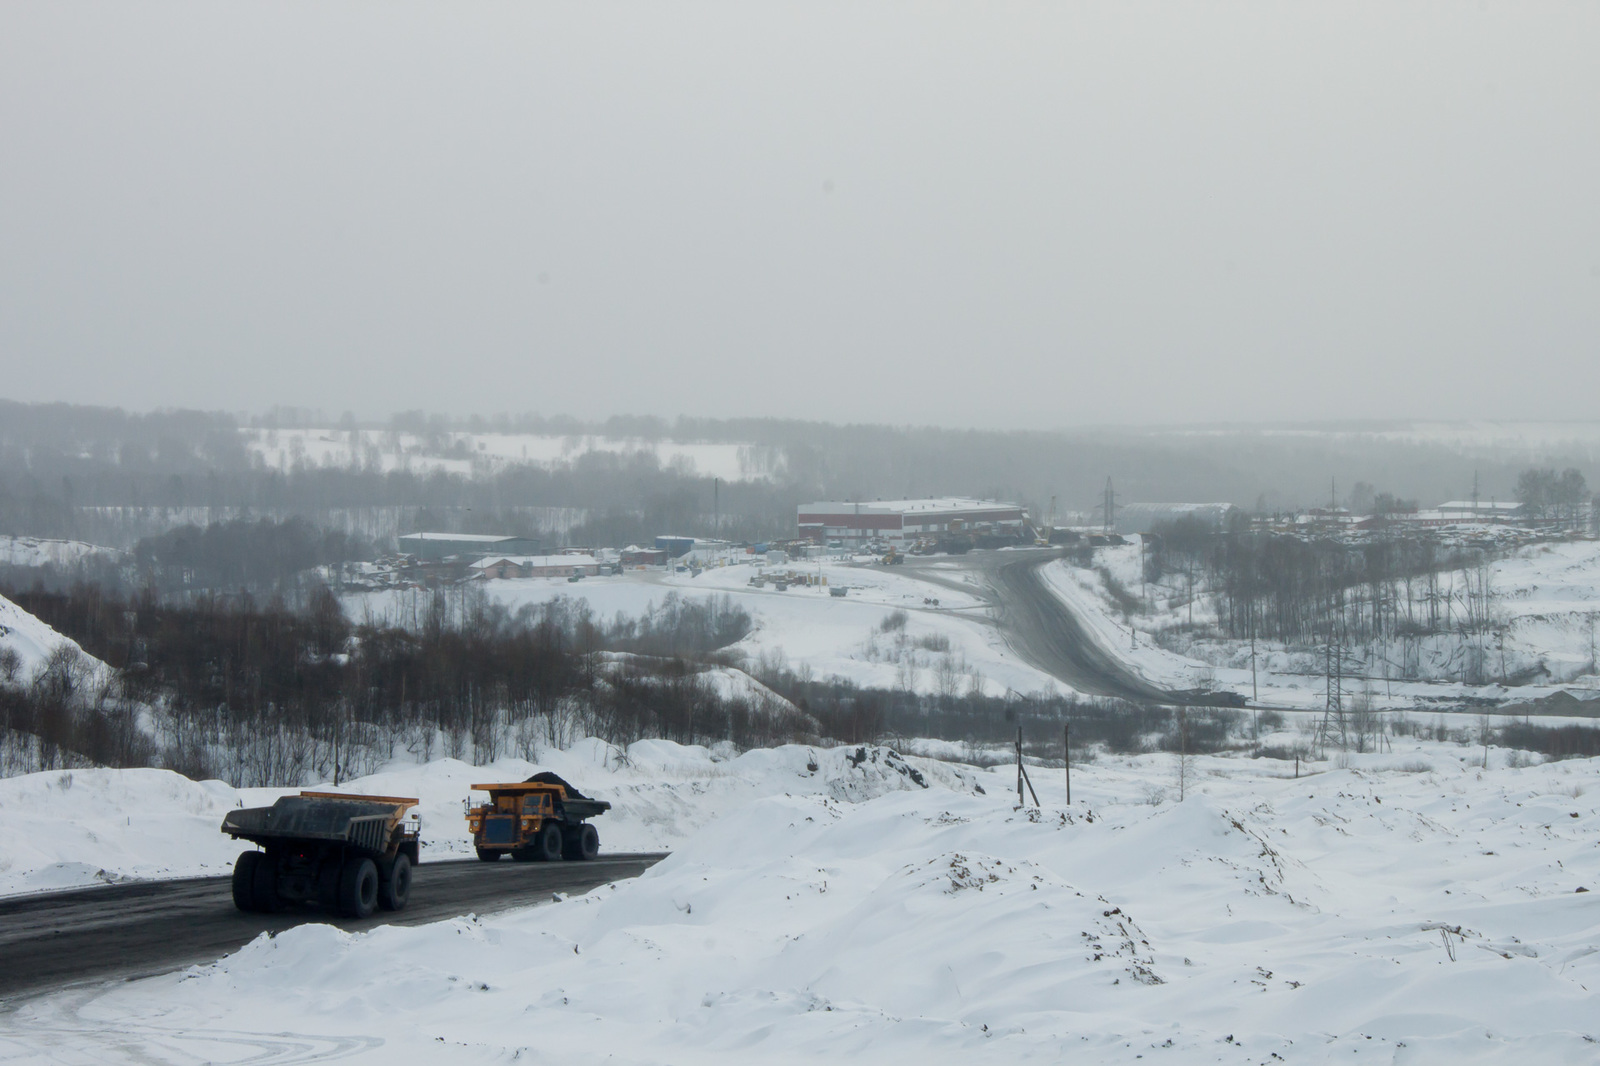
point(431, 547)
point(897, 521)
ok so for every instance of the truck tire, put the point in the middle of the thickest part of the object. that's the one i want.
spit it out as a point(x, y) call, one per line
point(547, 846)
point(489, 854)
point(265, 888)
point(588, 841)
point(394, 889)
point(358, 887)
point(244, 880)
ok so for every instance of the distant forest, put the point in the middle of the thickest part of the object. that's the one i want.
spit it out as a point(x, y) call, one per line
point(112, 477)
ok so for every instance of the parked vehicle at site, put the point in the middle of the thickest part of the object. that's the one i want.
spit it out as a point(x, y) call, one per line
point(350, 854)
point(542, 819)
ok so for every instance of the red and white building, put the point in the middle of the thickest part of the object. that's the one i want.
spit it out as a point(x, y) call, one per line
point(901, 521)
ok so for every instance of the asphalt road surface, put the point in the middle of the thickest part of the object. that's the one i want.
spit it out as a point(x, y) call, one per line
point(1041, 629)
point(1037, 625)
point(151, 927)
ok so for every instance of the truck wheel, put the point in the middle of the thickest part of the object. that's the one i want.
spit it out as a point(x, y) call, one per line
point(588, 841)
point(265, 888)
point(489, 854)
point(358, 887)
point(547, 847)
point(393, 890)
point(244, 880)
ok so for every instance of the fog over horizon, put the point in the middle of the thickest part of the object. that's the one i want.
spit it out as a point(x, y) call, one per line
point(1006, 216)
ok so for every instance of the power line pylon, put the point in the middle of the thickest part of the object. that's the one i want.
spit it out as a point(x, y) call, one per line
point(1334, 729)
point(1108, 508)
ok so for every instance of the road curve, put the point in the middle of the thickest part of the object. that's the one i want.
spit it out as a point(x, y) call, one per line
point(1039, 627)
point(1045, 632)
point(149, 927)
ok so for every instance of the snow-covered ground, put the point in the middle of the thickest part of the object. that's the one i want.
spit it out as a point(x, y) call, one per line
point(1412, 907)
point(465, 453)
point(39, 551)
point(65, 828)
point(33, 643)
point(952, 646)
point(1547, 602)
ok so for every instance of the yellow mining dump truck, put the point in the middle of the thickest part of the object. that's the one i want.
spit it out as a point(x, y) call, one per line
point(352, 854)
point(541, 819)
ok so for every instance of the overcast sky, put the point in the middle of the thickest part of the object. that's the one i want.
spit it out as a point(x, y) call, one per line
point(977, 214)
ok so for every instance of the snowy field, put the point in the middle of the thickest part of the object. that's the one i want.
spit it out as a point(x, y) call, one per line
point(1408, 908)
point(1547, 601)
point(1548, 604)
point(953, 646)
point(463, 453)
point(40, 551)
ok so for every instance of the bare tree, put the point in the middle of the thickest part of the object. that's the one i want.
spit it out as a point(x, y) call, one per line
point(1184, 765)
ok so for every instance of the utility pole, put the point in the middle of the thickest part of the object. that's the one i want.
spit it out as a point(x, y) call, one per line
point(1066, 756)
point(1144, 591)
point(1333, 720)
point(716, 507)
point(1254, 695)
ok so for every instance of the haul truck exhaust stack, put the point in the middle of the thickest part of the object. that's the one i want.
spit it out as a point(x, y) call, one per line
point(541, 819)
point(352, 854)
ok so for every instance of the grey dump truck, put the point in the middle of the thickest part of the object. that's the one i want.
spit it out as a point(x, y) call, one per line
point(350, 854)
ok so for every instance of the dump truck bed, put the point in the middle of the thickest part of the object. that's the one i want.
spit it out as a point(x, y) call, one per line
point(576, 806)
point(363, 821)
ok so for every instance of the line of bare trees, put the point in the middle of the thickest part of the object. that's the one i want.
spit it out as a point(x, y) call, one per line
point(1297, 589)
point(261, 694)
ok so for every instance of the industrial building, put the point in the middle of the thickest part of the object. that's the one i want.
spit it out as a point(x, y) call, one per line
point(856, 522)
point(507, 567)
point(432, 547)
point(635, 556)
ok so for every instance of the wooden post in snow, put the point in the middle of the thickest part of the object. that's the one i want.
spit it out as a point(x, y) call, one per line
point(1022, 774)
point(1019, 765)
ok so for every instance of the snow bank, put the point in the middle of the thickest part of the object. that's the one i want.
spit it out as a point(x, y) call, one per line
point(66, 828)
point(1411, 917)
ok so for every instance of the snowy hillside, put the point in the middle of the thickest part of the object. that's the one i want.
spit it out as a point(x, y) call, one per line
point(38, 551)
point(466, 453)
point(77, 827)
point(32, 641)
point(1425, 912)
point(886, 632)
point(1546, 605)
